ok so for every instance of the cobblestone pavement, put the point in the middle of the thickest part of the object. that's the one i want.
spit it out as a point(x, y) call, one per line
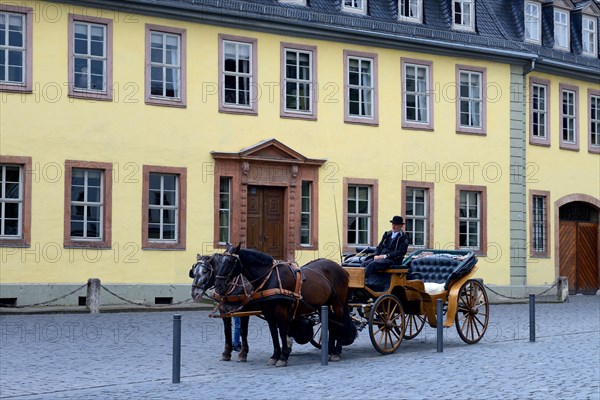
point(128, 355)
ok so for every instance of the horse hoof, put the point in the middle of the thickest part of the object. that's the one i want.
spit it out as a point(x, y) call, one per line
point(242, 359)
point(225, 358)
point(335, 358)
point(281, 363)
point(272, 361)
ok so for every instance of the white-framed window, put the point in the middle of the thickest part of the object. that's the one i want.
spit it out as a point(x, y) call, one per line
point(298, 81)
point(237, 73)
point(165, 65)
point(416, 93)
point(87, 204)
point(539, 106)
point(359, 215)
point(360, 87)
point(410, 10)
point(11, 201)
point(306, 214)
point(224, 210)
point(357, 6)
point(416, 216)
point(163, 207)
point(589, 40)
point(561, 29)
point(12, 47)
point(89, 56)
point(533, 25)
point(569, 117)
point(595, 121)
point(469, 219)
point(463, 12)
point(471, 99)
point(539, 224)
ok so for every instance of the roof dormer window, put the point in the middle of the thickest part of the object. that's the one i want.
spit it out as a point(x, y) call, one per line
point(463, 12)
point(589, 31)
point(410, 10)
point(533, 24)
point(561, 29)
point(355, 6)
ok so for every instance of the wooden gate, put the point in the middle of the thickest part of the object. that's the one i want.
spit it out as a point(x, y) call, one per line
point(265, 220)
point(579, 255)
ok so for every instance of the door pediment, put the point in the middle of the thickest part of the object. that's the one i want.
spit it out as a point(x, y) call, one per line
point(271, 150)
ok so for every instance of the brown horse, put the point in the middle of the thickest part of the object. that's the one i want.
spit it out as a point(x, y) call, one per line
point(324, 282)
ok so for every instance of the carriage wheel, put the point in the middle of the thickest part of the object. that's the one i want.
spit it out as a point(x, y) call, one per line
point(386, 324)
point(316, 339)
point(472, 312)
point(413, 325)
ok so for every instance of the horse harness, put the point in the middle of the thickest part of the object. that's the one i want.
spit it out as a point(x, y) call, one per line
point(258, 293)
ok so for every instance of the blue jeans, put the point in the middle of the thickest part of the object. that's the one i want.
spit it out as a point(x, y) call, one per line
point(236, 331)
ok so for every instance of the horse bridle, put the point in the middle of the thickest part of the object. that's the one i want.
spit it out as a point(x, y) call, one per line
point(206, 265)
point(229, 276)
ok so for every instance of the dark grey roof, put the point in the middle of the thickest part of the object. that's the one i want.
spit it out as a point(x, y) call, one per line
point(499, 24)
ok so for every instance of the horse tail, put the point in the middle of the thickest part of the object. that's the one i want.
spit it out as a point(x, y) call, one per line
point(348, 333)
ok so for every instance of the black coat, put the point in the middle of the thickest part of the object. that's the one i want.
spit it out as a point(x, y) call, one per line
point(395, 248)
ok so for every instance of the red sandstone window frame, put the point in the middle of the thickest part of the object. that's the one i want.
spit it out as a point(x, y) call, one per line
point(107, 94)
point(482, 190)
point(429, 220)
point(373, 185)
point(595, 149)
point(533, 140)
point(150, 99)
point(562, 143)
point(25, 164)
point(105, 242)
point(180, 243)
point(27, 85)
point(284, 112)
point(373, 120)
point(546, 196)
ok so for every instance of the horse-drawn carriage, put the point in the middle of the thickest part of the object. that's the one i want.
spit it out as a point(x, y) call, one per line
point(394, 306)
point(396, 303)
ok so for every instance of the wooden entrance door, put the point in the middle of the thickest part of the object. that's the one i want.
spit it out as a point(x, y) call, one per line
point(265, 220)
point(579, 255)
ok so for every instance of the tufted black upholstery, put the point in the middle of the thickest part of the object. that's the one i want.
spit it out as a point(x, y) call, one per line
point(439, 269)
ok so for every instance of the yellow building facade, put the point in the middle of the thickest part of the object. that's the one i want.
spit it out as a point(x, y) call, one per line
point(167, 170)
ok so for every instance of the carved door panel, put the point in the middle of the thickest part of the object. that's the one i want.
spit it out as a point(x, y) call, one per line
point(265, 220)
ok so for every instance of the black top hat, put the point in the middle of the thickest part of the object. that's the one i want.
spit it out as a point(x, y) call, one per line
point(397, 220)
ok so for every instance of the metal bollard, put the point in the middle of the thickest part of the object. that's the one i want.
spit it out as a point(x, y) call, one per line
point(440, 325)
point(176, 348)
point(324, 335)
point(532, 317)
point(92, 300)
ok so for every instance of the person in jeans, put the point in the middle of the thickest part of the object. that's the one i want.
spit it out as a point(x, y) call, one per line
point(237, 344)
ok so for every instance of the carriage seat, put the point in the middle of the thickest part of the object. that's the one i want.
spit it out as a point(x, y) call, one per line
point(356, 260)
point(437, 271)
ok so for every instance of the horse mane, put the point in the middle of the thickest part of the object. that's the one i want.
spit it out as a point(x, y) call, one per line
point(254, 257)
point(312, 262)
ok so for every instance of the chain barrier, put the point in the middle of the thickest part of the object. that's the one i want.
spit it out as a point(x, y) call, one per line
point(189, 300)
point(49, 302)
point(44, 303)
point(521, 298)
point(135, 303)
